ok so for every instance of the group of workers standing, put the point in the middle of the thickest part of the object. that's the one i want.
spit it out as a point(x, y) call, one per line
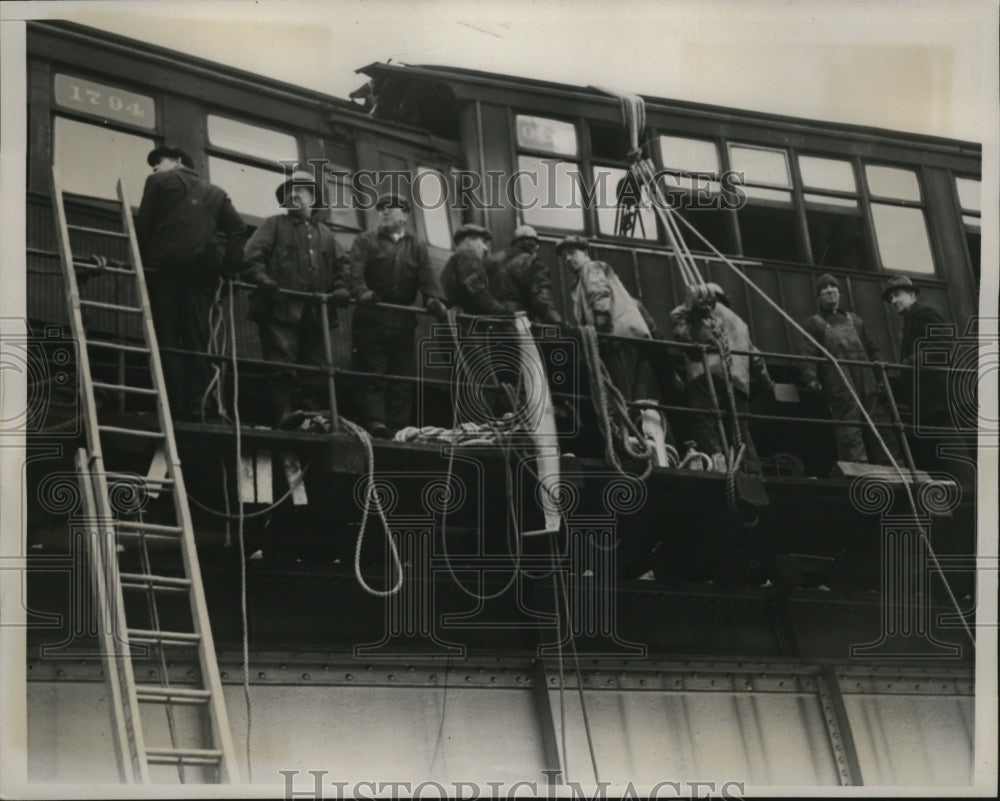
point(189, 234)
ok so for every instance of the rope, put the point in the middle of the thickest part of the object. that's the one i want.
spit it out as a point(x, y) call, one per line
point(612, 411)
point(371, 497)
point(662, 212)
point(240, 538)
point(217, 346)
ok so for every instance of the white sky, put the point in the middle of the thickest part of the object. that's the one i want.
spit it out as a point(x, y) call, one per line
point(928, 66)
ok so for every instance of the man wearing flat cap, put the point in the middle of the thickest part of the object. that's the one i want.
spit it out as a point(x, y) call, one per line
point(388, 265)
point(189, 234)
point(294, 251)
point(519, 277)
point(926, 390)
point(844, 335)
point(464, 280)
point(599, 299)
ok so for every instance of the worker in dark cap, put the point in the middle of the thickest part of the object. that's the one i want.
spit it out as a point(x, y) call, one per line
point(925, 388)
point(844, 335)
point(600, 300)
point(390, 265)
point(464, 280)
point(294, 251)
point(517, 276)
point(189, 234)
point(706, 318)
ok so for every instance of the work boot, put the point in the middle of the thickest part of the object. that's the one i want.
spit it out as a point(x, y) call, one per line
point(291, 419)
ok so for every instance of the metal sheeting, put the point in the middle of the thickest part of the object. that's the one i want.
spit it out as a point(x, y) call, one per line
point(755, 738)
point(913, 740)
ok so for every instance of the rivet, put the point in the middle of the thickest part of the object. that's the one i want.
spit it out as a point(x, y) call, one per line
point(519, 679)
point(468, 678)
point(190, 674)
point(642, 682)
point(60, 672)
point(410, 668)
point(151, 673)
point(305, 676)
point(260, 675)
point(493, 679)
point(349, 676)
point(610, 682)
point(552, 680)
point(368, 668)
point(432, 677)
point(284, 667)
point(225, 675)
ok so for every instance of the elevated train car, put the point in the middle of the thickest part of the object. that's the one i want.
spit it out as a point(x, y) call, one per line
point(730, 665)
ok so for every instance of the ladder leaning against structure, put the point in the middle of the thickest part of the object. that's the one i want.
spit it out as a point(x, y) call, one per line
point(121, 533)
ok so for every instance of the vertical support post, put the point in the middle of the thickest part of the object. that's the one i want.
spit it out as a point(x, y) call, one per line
point(550, 747)
point(838, 728)
point(328, 351)
point(900, 429)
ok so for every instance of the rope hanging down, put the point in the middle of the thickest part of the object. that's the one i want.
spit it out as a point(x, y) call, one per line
point(644, 170)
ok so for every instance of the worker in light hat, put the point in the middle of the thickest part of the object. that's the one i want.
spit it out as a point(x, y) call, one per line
point(389, 264)
point(706, 318)
point(189, 234)
point(519, 277)
point(844, 335)
point(294, 251)
point(600, 299)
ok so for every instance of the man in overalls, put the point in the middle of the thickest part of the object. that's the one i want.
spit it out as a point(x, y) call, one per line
point(844, 335)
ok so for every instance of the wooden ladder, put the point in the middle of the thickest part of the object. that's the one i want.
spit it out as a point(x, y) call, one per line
point(124, 533)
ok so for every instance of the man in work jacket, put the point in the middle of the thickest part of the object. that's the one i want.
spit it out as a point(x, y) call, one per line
point(294, 251)
point(389, 265)
point(927, 389)
point(483, 359)
point(599, 299)
point(518, 277)
point(844, 335)
point(189, 234)
point(707, 319)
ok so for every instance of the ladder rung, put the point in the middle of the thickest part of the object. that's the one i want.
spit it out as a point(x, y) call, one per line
point(137, 479)
point(124, 388)
point(144, 580)
point(101, 343)
point(97, 304)
point(158, 694)
point(149, 637)
point(156, 527)
point(189, 756)
point(99, 231)
point(134, 432)
point(98, 270)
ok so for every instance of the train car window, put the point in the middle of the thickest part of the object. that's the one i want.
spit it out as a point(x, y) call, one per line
point(548, 193)
point(900, 227)
point(431, 194)
point(824, 173)
point(250, 188)
point(970, 202)
point(606, 183)
point(343, 215)
point(548, 136)
point(838, 232)
point(607, 141)
point(252, 140)
point(767, 221)
point(694, 191)
point(91, 159)
point(106, 102)
point(892, 182)
point(901, 234)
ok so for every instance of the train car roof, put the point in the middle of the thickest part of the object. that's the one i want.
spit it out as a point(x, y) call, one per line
point(471, 84)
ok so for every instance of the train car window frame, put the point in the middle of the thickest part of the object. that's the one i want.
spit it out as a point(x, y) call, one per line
point(769, 207)
point(681, 182)
point(528, 215)
point(437, 217)
point(971, 222)
point(138, 159)
point(647, 214)
point(247, 160)
point(888, 216)
point(832, 209)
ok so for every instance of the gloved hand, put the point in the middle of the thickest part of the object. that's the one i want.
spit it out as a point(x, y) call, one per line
point(267, 285)
point(602, 322)
point(552, 317)
point(438, 309)
point(701, 296)
point(368, 298)
point(340, 297)
point(815, 386)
